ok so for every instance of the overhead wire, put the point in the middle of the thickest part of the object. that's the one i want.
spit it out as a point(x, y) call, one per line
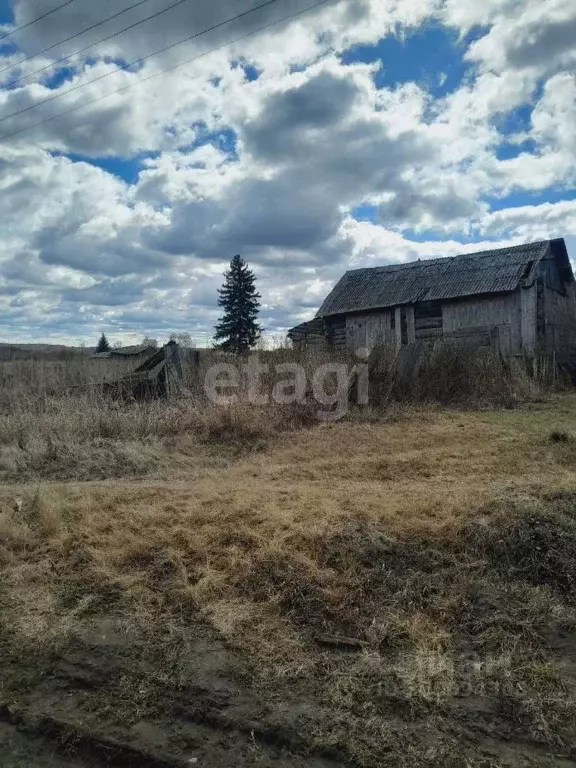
point(88, 29)
point(130, 64)
point(38, 18)
point(53, 64)
point(317, 4)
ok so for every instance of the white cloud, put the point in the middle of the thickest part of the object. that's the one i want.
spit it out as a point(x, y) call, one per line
point(554, 116)
point(533, 222)
point(273, 167)
point(533, 36)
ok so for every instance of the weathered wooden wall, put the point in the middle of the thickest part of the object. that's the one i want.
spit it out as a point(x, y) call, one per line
point(336, 331)
point(407, 324)
point(502, 312)
point(559, 314)
point(370, 329)
point(529, 319)
point(428, 321)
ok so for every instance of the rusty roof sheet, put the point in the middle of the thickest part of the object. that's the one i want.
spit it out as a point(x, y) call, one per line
point(486, 272)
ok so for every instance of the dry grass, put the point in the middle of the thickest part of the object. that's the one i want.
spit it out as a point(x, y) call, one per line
point(444, 542)
point(55, 422)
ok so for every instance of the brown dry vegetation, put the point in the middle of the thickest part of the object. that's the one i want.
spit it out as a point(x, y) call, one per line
point(396, 589)
point(56, 423)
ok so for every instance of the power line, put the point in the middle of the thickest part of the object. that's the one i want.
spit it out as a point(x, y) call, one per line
point(38, 18)
point(138, 61)
point(177, 66)
point(86, 48)
point(92, 26)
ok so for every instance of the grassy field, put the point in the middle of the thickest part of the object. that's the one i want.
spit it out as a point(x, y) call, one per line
point(396, 589)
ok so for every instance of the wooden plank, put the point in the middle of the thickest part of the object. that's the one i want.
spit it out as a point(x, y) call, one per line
point(339, 641)
point(429, 333)
point(173, 368)
point(410, 325)
point(422, 313)
point(478, 330)
point(398, 325)
point(503, 311)
point(427, 322)
point(372, 363)
point(152, 361)
point(406, 366)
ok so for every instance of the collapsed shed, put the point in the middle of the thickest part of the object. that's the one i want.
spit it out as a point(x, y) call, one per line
point(160, 375)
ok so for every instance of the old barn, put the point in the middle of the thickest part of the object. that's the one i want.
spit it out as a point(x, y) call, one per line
point(520, 299)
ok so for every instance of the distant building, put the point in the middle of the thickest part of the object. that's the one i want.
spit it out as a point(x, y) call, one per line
point(521, 298)
point(137, 353)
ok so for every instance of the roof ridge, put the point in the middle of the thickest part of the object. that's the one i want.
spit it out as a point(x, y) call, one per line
point(438, 259)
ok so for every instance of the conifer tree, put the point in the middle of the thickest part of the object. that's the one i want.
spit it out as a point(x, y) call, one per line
point(103, 345)
point(237, 330)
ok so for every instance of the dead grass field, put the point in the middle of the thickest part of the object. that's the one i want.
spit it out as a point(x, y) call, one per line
point(396, 589)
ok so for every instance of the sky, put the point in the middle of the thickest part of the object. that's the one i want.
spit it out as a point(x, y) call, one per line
point(356, 133)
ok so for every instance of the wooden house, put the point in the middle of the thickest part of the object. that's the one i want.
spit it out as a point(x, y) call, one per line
point(522, 299)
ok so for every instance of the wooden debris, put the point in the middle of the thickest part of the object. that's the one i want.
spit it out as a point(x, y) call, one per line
point(159, 376)
point(339, 641)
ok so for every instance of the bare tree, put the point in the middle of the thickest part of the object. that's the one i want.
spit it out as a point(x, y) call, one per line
point(183, 339)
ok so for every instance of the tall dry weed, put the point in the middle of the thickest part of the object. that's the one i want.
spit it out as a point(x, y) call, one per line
point(55, 420)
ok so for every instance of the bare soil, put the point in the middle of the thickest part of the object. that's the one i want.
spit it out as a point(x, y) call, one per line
point(96, 704)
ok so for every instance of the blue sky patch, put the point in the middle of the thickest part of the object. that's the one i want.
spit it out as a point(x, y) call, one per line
point(516, 121)
point(127, 168)
point(508, 150)
point(225, 140)
point(431, 57)
point(7, 47)
point(536, 197)
point(250, 71)
point(56, 78)
point(365, 213)
point(6, 15)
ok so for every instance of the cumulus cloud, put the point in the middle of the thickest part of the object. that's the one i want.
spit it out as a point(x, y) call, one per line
point(554, 116)
point(533, 222)
point(533, 36)
point(269, 147)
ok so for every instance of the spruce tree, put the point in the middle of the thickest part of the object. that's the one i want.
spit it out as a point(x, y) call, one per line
point(237, 330)
point(103, 345)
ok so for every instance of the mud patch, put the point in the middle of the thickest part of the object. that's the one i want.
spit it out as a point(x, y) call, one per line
point(99, 701)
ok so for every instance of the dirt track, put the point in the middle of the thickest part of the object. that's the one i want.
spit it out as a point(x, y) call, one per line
point(215, 721)
point(67, 715)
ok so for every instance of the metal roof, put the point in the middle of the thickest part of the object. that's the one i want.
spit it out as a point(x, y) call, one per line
point(486, 272)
